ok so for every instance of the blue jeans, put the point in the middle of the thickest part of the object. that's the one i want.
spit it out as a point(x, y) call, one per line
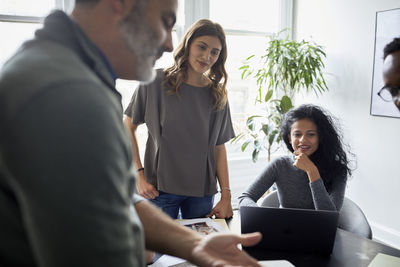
point(190, 207)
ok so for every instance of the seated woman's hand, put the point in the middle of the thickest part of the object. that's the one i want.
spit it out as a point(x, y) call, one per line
point(303, 162)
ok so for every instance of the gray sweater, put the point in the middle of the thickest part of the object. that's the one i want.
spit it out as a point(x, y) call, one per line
point(294, 188)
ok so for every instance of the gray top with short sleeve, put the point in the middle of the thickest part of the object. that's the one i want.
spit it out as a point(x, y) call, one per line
point(294, 188)
point(183, 132)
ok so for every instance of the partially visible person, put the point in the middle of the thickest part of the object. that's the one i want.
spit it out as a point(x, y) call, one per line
point(315, 175)
point(391, 71)
point(66, 175)
point(187, 115)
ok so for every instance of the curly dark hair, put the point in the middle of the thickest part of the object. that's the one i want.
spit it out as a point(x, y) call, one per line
point(330, 157)
point(391, 47)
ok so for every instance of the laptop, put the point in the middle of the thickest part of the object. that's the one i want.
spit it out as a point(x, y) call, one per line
point(290, 230)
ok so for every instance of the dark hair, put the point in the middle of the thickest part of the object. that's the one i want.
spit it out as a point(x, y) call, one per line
point(391, 47)
point(176, 74)
point(330, 157)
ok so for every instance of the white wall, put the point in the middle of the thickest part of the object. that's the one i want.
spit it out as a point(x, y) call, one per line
point(346, 28)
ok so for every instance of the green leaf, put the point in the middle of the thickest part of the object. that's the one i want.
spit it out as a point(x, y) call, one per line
point(237, 138)
point(243, 74)
point(257, 144)
point(265, 129)
point(278, 139)
point(250, 123)
point(268, 95)
point(286, 104)
point(254, 156)
point(250, 57)
point(244, 145)
point(251, 119)
point(271, 137)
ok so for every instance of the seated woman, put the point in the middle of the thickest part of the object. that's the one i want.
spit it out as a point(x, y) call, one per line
point(315, 175)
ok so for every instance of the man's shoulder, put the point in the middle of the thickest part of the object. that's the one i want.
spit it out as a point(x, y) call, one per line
point(45, 60)
point(37, 67)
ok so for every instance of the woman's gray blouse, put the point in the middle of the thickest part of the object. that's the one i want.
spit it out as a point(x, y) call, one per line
point(183, 132)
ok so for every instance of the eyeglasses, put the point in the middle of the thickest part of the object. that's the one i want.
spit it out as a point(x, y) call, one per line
point(388, 93)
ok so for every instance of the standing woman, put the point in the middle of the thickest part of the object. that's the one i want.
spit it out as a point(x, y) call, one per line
point(315, 175)
point(188, 119)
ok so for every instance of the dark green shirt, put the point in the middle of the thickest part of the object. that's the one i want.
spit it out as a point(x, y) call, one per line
point(66, 182)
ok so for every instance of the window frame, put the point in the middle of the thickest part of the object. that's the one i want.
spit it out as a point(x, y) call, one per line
point(195, 10)
point(65, 5)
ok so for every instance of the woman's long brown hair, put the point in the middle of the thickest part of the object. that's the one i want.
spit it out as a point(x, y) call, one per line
point(177, 74)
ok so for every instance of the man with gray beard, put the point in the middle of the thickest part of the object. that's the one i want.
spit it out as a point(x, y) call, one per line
point(66, 180)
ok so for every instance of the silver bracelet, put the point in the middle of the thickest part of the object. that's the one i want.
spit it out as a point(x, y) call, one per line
point(225, 188)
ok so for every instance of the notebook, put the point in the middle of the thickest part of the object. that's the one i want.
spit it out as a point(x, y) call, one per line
point(295, 230)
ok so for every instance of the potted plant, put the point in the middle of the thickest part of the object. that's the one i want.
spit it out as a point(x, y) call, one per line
point(286, 69)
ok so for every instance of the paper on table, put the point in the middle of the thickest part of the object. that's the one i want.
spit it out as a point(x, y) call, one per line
point(166, 260)
point(278, 263)
point(204, 226)
point(385, 260)
point(222, 223)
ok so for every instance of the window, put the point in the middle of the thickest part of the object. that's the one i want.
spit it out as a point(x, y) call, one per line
point(25, 8)
point(14, 34)
point(258, 16)
point(20, 18)
point(247, 25)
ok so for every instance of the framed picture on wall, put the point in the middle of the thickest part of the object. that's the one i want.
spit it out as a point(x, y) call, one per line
point(386, 28)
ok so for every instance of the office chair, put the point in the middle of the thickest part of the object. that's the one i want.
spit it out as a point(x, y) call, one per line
point(351, 217)
point(271, 200)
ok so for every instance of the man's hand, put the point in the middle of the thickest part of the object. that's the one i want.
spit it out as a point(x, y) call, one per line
point(222, 210)
point(146, 189)
point(222, 250)
point(150, 256)
point(166, 236)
